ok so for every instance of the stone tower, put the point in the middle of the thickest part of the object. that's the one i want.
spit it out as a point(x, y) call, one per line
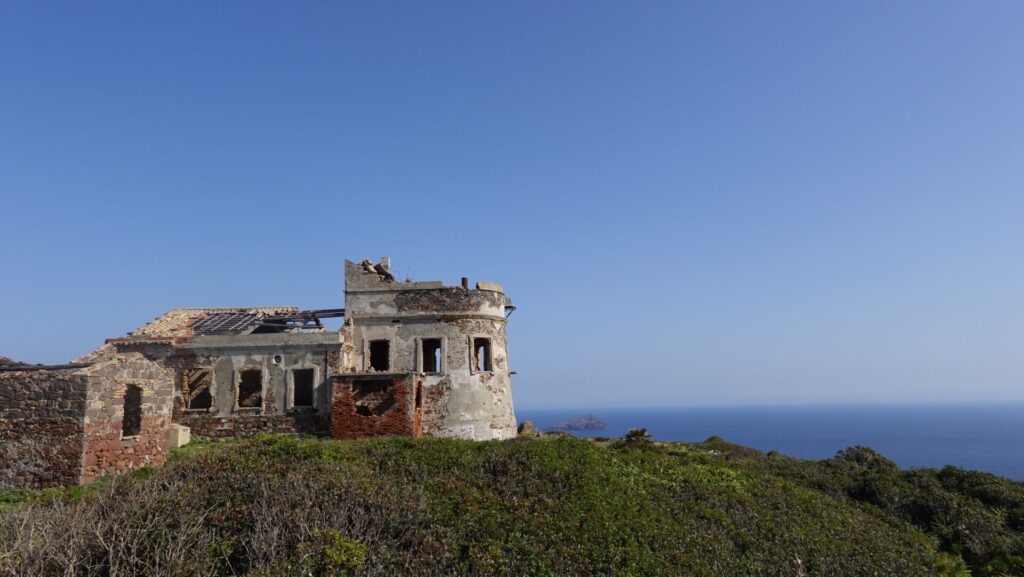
point(422, 358)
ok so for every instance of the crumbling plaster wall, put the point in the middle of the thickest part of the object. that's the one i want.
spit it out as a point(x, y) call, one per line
point(106, 450)
point(41, 427)
point(458, 400)
point(276, 355)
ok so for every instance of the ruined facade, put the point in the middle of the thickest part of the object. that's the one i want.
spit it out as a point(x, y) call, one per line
point(411, 358)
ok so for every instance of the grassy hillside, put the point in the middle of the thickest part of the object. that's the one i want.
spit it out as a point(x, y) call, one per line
point(552, 506)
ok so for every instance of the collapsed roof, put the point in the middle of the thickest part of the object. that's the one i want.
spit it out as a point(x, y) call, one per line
point(189, 322)
point(183, 322)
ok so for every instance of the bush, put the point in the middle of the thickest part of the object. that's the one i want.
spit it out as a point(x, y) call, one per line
point(972, 516)
point(434, 507)
point(637, 437)
point(328, 554)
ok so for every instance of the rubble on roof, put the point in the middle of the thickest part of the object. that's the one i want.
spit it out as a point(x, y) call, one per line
point(183, 322)
point(380, 269)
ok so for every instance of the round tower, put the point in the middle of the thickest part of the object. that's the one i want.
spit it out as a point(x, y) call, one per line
point(444, 348)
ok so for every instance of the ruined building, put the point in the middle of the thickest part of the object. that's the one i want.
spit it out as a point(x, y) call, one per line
point(411, 358)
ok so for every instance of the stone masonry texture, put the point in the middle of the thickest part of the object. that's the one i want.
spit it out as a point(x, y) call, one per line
point(41, 428)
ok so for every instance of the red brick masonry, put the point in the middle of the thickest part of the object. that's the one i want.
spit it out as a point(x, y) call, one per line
point(368, 405)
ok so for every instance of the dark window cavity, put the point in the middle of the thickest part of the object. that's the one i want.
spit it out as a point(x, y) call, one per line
point(302, 381)
point(197, 389)
point(419, 395)
point(380, 355)
point(482, 354)
point(373, 397)
point(431, 355)
point(131, 425)
point(250, 389)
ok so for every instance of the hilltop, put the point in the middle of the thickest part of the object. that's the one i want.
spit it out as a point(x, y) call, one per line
point(555, 506)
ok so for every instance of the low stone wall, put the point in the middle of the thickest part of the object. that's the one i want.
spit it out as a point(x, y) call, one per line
point(41, 427)
point(242, 425)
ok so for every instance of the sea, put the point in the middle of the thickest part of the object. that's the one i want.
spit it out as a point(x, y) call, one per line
point(981, 436)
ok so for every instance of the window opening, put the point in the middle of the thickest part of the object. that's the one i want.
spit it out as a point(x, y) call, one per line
point(131, 424)
point(250, 389)
point(482, 354)
point(198, 393)
point(380, 355)
point(302, 382)
point(373, 397)
point(431, 355)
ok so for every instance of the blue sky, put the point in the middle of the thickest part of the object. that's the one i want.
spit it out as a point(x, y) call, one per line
point(714, 202)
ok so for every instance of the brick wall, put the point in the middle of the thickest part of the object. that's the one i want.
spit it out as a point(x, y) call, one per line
point(41, 427)
point(390, 413)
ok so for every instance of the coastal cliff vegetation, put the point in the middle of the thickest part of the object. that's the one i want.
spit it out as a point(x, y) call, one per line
point(549, 506)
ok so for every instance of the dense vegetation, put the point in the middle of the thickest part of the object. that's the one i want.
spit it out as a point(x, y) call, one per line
point(973, 515)
point(553, 506)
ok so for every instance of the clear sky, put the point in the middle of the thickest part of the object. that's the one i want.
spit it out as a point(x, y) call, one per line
point(690, 202)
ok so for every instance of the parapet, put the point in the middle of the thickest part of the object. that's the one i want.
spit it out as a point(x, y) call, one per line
point(367, 276)
point(372, 291)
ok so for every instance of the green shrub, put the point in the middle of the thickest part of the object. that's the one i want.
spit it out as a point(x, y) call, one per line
point(967, 514)
point(949, 565)
point(554, 506)
point(328, 554)
point(637, 437)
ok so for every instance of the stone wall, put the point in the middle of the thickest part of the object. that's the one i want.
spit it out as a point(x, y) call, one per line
point(41, 427)
point(213, 426)
point(276, 356)
point(106, 450)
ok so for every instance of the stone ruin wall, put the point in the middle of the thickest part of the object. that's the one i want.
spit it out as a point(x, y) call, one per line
point(224, 421)
point(392, 411)
point(66, 425)
point(466, 403)
point(106, 450)
point(237, 426)
point(459, 401)
point(41, 429)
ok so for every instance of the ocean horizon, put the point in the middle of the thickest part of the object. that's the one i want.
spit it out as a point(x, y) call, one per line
point(984, 436)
